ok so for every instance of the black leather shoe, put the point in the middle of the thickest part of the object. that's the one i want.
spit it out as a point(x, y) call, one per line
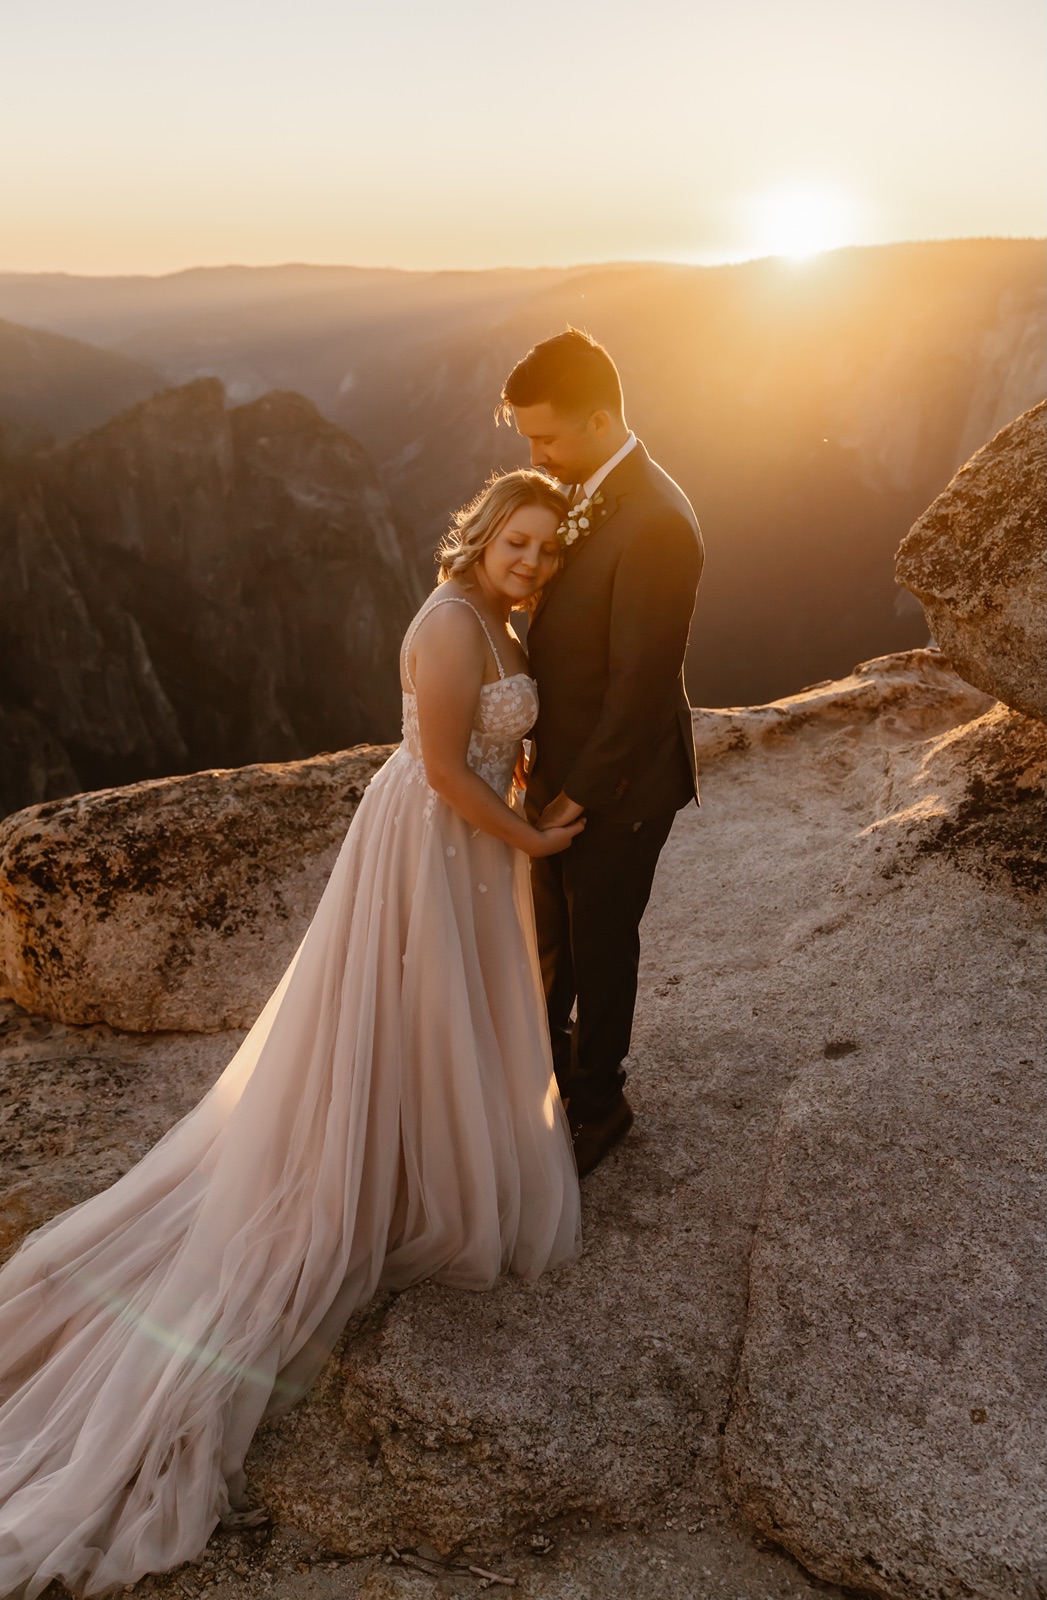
point(592, 1140)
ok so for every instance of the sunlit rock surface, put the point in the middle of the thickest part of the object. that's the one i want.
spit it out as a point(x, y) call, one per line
point(827, 939)
point(176, 903)
point(977, 562)
point(889, 1411)
point(808, 1298)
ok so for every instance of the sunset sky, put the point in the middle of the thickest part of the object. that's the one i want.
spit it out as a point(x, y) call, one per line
point(148, 137)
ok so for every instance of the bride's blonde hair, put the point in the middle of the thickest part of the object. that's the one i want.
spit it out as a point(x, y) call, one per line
point(475, 525)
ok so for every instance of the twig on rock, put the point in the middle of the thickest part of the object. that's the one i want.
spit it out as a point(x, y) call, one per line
point(434, 1569)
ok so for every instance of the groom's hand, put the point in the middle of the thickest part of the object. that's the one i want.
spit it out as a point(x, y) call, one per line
point(559, 812)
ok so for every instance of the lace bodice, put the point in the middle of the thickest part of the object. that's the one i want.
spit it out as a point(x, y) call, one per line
point(505, 712)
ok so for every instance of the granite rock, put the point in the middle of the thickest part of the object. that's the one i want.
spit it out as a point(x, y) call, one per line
point(174, 903)
point(834, 917)
point(809, 1294)
point(890, 1408)
point(977, 562)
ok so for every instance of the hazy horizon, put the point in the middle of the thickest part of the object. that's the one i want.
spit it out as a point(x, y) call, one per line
point(797, 260)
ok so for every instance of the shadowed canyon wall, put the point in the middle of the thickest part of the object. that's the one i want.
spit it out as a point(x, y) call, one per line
point(192, 586)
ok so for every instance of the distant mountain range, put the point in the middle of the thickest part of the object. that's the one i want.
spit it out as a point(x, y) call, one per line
point(52, 387)
point(810, 410)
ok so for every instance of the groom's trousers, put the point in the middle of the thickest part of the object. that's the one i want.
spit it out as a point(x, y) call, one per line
point(588, 902)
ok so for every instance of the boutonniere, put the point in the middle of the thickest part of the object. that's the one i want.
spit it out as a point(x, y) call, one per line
point(578, 524)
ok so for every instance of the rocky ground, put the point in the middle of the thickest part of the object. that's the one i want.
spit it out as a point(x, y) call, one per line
point(806, 1310)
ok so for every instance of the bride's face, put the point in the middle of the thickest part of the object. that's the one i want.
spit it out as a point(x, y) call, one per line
point(522, 556)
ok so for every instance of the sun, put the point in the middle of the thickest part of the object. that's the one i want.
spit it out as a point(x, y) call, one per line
point(800, 220)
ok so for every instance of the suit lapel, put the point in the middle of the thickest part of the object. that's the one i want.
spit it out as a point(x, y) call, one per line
point(615, 486)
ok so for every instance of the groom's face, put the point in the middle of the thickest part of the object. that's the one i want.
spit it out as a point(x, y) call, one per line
point(566, 444)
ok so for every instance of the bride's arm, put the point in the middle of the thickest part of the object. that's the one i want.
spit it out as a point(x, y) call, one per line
point(448, 670)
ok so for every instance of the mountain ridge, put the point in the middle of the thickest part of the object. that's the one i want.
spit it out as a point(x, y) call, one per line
point(810, 410)
point(193, 585)
point(53, 386)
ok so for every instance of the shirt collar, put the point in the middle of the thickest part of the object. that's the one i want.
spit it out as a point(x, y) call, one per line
point(590, 486)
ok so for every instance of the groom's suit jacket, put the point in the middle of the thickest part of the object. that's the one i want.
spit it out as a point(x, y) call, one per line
point(606, 646)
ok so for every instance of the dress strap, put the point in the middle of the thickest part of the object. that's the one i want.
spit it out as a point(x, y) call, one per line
point(447, 600)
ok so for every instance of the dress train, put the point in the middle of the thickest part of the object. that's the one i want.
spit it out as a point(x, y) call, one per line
point(392, 1115)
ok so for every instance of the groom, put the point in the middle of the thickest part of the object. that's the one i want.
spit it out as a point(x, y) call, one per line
point(613, 736)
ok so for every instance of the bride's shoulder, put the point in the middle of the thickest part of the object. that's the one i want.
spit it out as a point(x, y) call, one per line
point(446, 626)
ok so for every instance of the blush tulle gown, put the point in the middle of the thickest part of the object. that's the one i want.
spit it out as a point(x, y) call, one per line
point(391, 1116)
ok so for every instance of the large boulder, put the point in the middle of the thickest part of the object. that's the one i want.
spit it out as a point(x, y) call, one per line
point(977, 562)
point(174, 903)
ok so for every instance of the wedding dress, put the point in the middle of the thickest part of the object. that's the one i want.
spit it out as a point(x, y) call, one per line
point(391, 1116)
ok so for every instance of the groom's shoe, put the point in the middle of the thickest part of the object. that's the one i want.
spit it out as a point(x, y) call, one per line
point(592, 1140)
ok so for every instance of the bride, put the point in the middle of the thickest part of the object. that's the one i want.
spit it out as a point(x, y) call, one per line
point(392, 1115)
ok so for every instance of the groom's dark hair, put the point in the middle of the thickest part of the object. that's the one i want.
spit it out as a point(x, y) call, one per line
point(570, 371)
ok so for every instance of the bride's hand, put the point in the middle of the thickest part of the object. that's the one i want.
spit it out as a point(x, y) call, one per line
point(550, 841)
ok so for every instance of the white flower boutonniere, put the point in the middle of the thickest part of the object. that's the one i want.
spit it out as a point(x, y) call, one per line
point(578, 523)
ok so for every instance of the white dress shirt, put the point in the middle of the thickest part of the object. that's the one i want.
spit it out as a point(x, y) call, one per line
point(590, 486)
